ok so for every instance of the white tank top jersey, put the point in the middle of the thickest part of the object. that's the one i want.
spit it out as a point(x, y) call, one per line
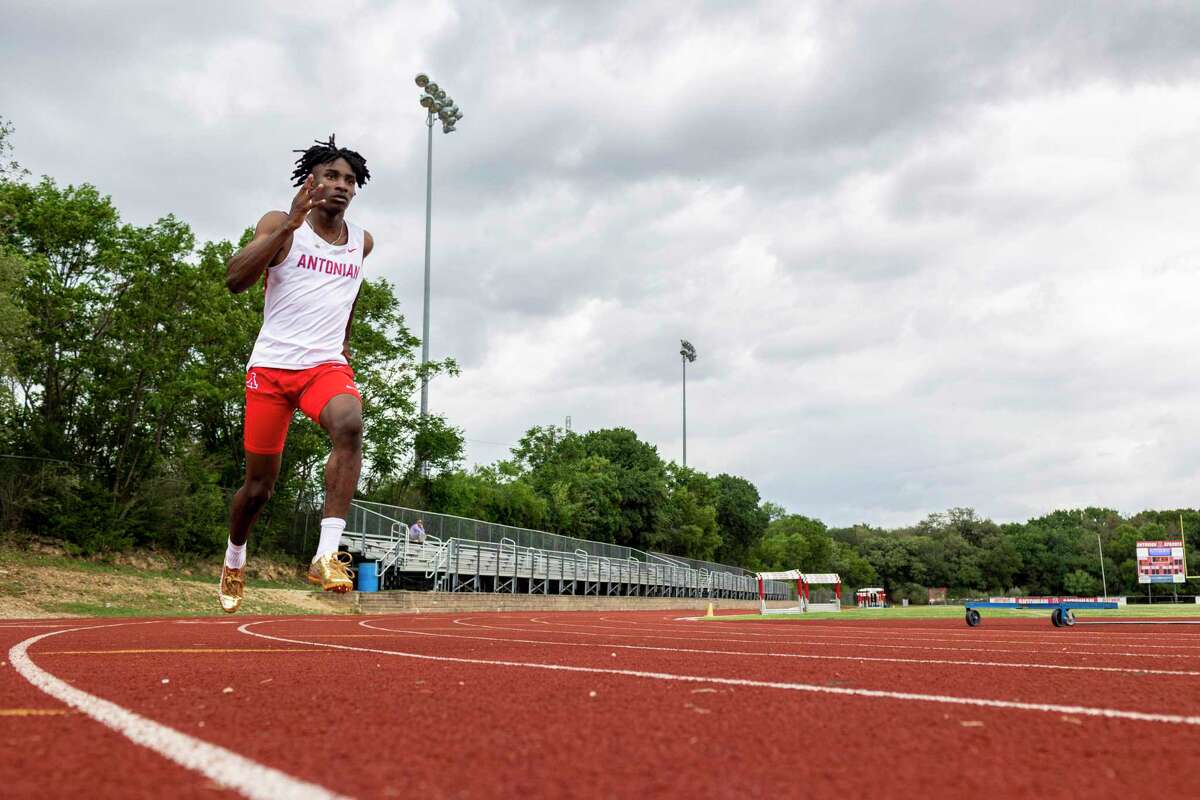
point(308, 301)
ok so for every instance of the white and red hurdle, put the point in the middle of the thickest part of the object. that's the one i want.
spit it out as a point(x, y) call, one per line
point(804, 583)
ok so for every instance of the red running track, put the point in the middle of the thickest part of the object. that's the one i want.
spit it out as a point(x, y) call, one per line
point(595, 705)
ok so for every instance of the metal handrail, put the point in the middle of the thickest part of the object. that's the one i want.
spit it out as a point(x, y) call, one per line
point(444, 560)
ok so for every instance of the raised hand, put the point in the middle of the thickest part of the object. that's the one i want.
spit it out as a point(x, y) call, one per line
point(308, 198)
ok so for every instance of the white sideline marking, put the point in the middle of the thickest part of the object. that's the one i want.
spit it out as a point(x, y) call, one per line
point(222, 766)
point(465, 621)
point(1042, 637)
point(815, 632)
point(810, 656)
point(1110, 713)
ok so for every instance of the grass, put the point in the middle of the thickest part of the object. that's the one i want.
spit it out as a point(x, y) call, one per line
point(184, 572)
point(953, 611)
point(39, 580)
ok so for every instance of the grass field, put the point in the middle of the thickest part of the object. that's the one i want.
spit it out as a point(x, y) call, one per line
point(943, 612)
point(37, 581)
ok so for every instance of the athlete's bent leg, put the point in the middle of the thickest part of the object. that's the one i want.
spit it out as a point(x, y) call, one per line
point(342, 420)
point(262, 469)
point(261, 472)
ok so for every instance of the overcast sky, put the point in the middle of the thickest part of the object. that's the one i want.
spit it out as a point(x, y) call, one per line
point(931, 254)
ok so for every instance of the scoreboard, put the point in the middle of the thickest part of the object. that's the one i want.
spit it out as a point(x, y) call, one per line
point(1161, 561)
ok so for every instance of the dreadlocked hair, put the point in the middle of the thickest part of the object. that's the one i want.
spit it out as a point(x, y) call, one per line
point(323, 153)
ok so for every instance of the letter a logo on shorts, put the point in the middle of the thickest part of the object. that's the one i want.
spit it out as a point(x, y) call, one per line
point(252, 381)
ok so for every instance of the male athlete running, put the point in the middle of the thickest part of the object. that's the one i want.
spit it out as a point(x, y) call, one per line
point(310, 260)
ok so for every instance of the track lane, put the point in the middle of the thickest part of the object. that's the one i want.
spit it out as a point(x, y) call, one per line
point(1178, 692)
point(898, 646)
point(517, 635)
point(441, 729)
point(1065, 637)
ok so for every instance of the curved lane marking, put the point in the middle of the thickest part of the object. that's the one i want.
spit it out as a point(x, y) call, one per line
point(836, 639)
point(815, 632)
point(219, 765)
point(465, 621)
point(809, 656)
point(877, 694)
point(1038, 636)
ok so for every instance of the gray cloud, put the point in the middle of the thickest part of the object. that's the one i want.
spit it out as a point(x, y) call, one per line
point(932, 253)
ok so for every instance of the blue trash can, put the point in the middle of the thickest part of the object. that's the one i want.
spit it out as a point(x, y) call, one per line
point(368, 576)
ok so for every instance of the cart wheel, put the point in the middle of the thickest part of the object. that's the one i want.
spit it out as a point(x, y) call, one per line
point(972, 617)
point(1068, 617)
point(1056, 617)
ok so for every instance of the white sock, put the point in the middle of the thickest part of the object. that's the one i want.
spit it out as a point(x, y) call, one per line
point(235, 555)
point(331, 536)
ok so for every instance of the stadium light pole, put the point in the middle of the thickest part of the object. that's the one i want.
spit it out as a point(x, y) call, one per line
point(1100, 544)
point(687, 353)
point(436, 103)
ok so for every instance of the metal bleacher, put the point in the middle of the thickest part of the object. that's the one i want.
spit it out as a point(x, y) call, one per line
point(468, 555)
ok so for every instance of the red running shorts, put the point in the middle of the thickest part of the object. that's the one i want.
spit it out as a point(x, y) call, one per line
point(272, 395)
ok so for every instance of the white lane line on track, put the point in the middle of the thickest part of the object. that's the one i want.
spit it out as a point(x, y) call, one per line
point(806, 656)
point(1052, 638)
point(878, 635)
point(1034, 637)
point(807, 642)
point(219, 765)
point(975, 634)
point(877, 694)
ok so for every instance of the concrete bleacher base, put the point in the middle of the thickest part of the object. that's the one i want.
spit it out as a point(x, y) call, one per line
point(405, 602)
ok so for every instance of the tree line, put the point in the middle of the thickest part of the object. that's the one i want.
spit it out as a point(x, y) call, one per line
point(121, 392)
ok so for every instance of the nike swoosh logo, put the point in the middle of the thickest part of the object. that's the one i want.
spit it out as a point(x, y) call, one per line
point(352, 249)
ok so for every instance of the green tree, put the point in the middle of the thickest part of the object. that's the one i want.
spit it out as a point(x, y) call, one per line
point(794, 542)
point(687, 525)
point(14, 324)
point(741, 520)
point(855, 571)
point(10, 170)
point(640, 479)
point(130, 370)
point(1000, 561)
point(1081, 583)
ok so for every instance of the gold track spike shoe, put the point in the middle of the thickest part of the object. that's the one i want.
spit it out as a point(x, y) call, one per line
point(332, 572)
point(233, 586)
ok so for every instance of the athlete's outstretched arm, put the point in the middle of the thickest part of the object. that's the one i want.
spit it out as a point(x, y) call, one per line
point(271, 235)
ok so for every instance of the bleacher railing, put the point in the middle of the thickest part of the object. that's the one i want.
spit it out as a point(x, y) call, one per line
point(381, 525)
point(374, 519)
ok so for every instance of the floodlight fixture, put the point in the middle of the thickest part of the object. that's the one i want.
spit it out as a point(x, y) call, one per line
point(688, 352)
point(437, 102)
